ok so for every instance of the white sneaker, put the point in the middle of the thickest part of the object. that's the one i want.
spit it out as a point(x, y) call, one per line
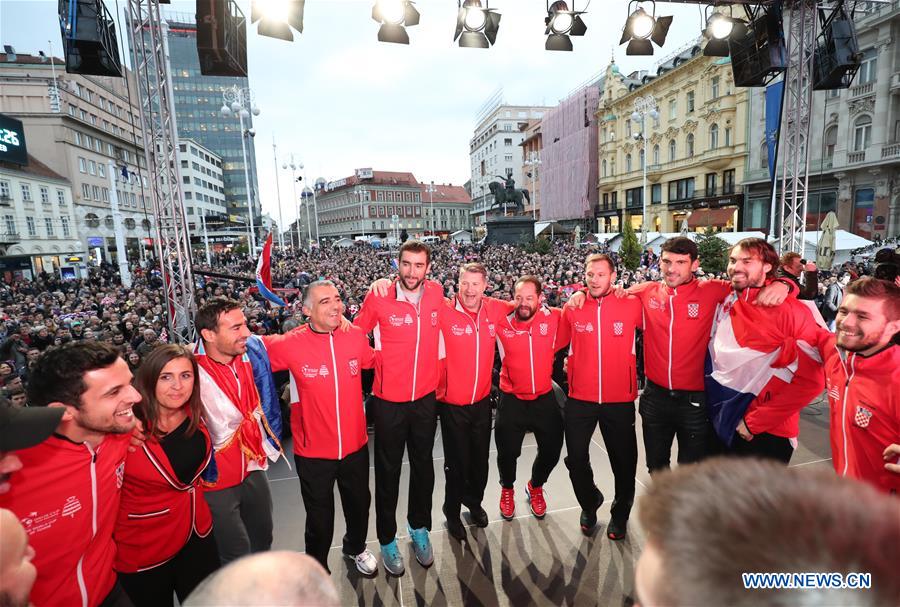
point(366, 563)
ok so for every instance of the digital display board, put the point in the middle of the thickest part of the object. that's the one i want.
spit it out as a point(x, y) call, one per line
point(12, 141)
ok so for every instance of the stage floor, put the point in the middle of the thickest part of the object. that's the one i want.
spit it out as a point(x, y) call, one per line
point(521, 562)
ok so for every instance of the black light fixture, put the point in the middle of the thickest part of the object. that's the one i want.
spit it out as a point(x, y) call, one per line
point(719, 30)
point(837, 57)
point(394, 16)
point(562, 23)
point(759, 55)
point(277, 17)
point(476, 27)
point(89, 38)
point(642, 27)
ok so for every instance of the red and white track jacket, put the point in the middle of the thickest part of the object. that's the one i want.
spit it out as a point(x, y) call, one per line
point(864, 395)
point(158, 512)
point(67, 497)
point(466, 350)
point(328, 420)
point(602, 365)
point(527, 351)
point(406, 341)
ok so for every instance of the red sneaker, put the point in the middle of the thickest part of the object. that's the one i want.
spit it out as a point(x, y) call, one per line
point(507, 503)
point(536, 499)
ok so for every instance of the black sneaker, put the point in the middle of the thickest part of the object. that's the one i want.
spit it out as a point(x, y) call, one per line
point(455, 526)
point(589, 517)
point(617, 530)
point(478, 516)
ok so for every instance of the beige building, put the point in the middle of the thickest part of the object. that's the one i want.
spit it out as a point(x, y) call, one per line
point(80, 128)
point(696, 147)
point(531, 165)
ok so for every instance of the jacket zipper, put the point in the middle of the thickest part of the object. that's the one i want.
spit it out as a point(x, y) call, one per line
point(671, 323)
point(477, 353)
point(79, 570)
point(531, 361)
point(844, 409)
point(599, 354)
point(337, 397)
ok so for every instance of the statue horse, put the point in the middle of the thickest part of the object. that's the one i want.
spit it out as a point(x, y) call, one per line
point(504, 197)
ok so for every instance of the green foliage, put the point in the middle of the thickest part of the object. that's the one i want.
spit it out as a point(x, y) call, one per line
point(630, 251)
point(713, 253)
point(540, 245)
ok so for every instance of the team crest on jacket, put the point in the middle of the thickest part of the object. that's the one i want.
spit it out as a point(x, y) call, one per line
point(120, 475)
point(354, 366)
point(543, 328)
point(863, 417)
point(492, 330)
point(434, 318)
point(73, 505)
point(323, 371)
point(693, 310)
point(407, 319)
point(618, 328)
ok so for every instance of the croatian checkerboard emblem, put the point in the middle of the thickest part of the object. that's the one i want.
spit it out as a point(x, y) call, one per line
point(693, 310)
point(618, 328)
point(863, 417)
point(543, 328)
point(354, 366)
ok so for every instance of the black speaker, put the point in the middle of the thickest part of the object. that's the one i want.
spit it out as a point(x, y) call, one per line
point(221, 38)
point(89, 38)
point(837, 57)
point(759, 54)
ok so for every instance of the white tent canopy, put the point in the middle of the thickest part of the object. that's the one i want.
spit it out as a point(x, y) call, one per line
point(343, 243)
point(461, 236)
point(844, 242)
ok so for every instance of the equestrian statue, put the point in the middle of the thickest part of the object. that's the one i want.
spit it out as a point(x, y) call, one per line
point(507, 194)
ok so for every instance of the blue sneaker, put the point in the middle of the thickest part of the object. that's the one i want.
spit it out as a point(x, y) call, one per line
point(421, 546)
point(392, 559)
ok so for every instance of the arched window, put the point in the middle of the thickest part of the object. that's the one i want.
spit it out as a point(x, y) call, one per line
point(764, 155)
point(830, 141)
point(108, 222)
point(627, 163)
point(656, 154)
point(862, 133)
point(671, 150)
point(612, 167)
point(604, 168)
point(642, 159)
point(690, 145)
point(91, 220)
point(714, 136)
point(129, 223)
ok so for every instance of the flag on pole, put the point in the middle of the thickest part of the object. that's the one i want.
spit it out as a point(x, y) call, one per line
point(264, 274)
point(774, 93)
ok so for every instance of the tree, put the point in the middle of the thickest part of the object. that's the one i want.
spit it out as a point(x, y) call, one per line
point(713, 253)
point(540, 245)
point(630, 251)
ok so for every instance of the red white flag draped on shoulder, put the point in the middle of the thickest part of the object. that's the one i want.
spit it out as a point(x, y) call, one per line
point(264, 274)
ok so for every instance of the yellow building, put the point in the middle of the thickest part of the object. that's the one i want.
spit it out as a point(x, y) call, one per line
point(697, 146)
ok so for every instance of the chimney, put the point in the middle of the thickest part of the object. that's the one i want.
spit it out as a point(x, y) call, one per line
point(10, 53)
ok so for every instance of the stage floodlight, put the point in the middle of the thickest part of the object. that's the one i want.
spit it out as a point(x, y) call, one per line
point(394, 16)
point(837, 57)
point(641, 28)
point(759, 54)
point(561, 24)
point(277, 18)
point(476, 27)
point(720, 29)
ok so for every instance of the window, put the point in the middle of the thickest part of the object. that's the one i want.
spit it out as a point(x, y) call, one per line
point(764, 155)
point(101, 170)
point(673, 108)
point(4, 190)
point(862, 133)
point(45, 195)
point(10, 224)
point(656, 193)
point(96, 192)
point(627, 163)
point(728, 136)
point(65, 226)
point(61, 197)
point(713, 136)
point(714, 87)
point(83, 115)
point(77, 138)
point(863, 210)
point(728, 182)
point(628, 128)
point(104, 194)
point(606, 201)
point(690, 145)
point(48, 225)
point(92, 167)
point(634, 197)
point(85, 191)
point(72, 110)
point(98, 146)
point(671, 150)
point(690, 102)
point(26, 193)
point(82, 165)
point(656, 154)
point(868, 67)
point(188, 195)
point(830, 141)
point(507, 142)
point(711, 184)
point(604, 167)
point(110, 150)
point(682, 189)
point(32, 227)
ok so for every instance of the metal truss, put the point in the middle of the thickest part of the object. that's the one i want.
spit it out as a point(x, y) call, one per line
point(794, 136)
point(150, 54)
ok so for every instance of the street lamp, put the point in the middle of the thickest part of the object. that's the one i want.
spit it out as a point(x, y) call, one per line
point(294, 166)
point(643, 107)
point(278, 194)
point(430, 190)
point(534, 161)
point(362, 213)
point(240, 101)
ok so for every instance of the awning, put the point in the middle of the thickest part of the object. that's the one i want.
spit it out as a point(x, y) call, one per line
point(711, 217)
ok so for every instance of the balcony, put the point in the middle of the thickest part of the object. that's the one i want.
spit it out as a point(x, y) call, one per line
point(862, 90)
point(895, 82)
point(856, 157)
point(890, 152)
point(9, 237)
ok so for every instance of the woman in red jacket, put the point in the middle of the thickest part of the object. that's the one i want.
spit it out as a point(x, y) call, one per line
point(164, 530)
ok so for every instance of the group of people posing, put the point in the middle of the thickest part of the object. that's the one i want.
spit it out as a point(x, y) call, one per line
point(149, 484)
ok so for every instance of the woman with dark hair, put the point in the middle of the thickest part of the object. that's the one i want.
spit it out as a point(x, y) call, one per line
point(164, 529)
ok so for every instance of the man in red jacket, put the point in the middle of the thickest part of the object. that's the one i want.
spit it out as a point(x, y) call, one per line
point(467, 345)
point(528, 340)
point(67, 493)
point(328, 421)
point(862, 378)
point(405, 325)
point(767, 352)
point(602, 370)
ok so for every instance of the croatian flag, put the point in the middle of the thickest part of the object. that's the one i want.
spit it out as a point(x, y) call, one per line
point(745, 352)
point(264, 274)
